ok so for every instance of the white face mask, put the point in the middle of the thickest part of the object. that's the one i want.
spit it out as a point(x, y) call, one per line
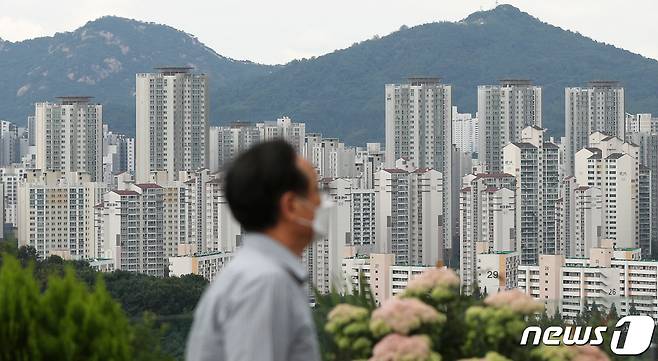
point(320, 224)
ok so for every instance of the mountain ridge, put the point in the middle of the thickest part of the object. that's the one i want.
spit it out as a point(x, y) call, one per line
point(339, 93)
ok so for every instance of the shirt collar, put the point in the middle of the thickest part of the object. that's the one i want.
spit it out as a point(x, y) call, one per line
point(276, 251)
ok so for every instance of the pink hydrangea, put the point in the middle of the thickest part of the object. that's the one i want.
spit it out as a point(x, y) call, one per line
point(515, 300)
point(433, 278)
point(403, 315)
point(396, 347)
point(589, 353)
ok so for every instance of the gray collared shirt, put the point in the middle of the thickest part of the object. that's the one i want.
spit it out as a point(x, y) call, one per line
point(256, 309)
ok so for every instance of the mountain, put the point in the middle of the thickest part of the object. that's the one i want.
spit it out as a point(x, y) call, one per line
point(340, 93)
point(101, 59)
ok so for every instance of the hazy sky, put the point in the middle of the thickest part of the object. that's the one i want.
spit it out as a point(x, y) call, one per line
point(276, 31)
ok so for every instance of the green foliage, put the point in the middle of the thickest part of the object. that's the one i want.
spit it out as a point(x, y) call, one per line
point(159, 315)
point(66, 322)
point(493, 329)
point(19, 310)
point(324, 303)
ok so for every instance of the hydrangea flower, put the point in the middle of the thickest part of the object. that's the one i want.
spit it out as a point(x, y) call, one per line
point(396, 347)
point(403, 315)
point(433, 278)
point(344, 313)
point(515, 300)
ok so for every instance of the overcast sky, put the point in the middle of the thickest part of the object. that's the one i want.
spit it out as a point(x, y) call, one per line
point(276, 31)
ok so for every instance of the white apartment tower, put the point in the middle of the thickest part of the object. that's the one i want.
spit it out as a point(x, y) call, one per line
point(223, 232)
point(331, 158)
point(419, 128)
point(284, 128)
point(612, 165)
point(409, 214)
point(599, 107)
point(171, 122)
point(69, 136)
point(56, 214)
point(646, 137)
point(579, 218)
point(324, 256)
point(226, 142)
point(535, 165)
point(465, 131)
point(487, 220)
point(132, 228)
point(504, 110)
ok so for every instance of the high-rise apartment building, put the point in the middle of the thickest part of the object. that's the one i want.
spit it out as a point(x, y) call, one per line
point(9, 143)
point(646, 137)
point(363, 220)
point(409, 214)
point(579, 218)
point(487, 220)
point(465, 131)
point(131, 221)
point(118, 155)
point(171, 122)
point(534, 163)
point(223, 232)
point(599, 107)
point(324, 256)
point(504, 110)
point(55, 214)
point(226, 142)
point(69, 136)
point(368, 160)
point(331, 158)
point(612, 165)
point(11, 177)
point(284, 128)
point(419, 128)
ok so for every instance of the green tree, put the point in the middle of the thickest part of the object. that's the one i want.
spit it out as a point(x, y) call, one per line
point(19, 307)
point(67, 321)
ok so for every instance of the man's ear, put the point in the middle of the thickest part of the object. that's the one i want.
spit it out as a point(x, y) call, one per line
point(287, 205)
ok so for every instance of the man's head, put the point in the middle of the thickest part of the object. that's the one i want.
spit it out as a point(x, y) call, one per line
point(272, 190)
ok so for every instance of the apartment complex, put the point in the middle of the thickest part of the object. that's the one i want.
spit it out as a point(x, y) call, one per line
point(11, 177)
point(609, 276)
point(55, 213)
point(612, 165)
point(132, 227)
point(69, 136)
point(579, 218)
point(385, 278)
point(598, 107)
point(504, 110)
point(409, 218)
point(465, 131)
point(226, 142)
point(419, 129)
point(171, 122)
point(487, 216)
point(534, 163)
point(206, 264)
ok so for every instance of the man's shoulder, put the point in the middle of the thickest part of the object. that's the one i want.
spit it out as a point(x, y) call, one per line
point(250, 267)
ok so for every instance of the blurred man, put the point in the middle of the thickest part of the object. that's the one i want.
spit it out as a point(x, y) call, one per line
point(257, 308)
